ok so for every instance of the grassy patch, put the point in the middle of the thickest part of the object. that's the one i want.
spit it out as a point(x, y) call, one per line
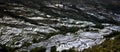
point(51, 34)
point(109, 45)
point(64, 29)
point(98, 25)
point(114, 33)
point(5, 48)
point(26, 44)
point(38, 49)
point(54, 49)
point(70, 50)
point(36, 40)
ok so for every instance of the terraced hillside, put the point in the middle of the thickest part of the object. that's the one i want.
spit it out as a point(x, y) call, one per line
point(42, 25)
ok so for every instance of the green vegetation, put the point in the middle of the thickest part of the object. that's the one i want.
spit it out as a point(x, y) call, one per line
point(51, 34)
point(7, 49)
point(38, 49)
point(36, 40)
point(1, 15)
point(64, 29)
point(99, 26)
point(26, 44)
point(70, 50)
point(111, 44)
point(113, 34)
point(23, 51)
point(53, 49)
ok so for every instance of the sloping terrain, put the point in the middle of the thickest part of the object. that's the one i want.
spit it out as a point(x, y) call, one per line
point(27, 24)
